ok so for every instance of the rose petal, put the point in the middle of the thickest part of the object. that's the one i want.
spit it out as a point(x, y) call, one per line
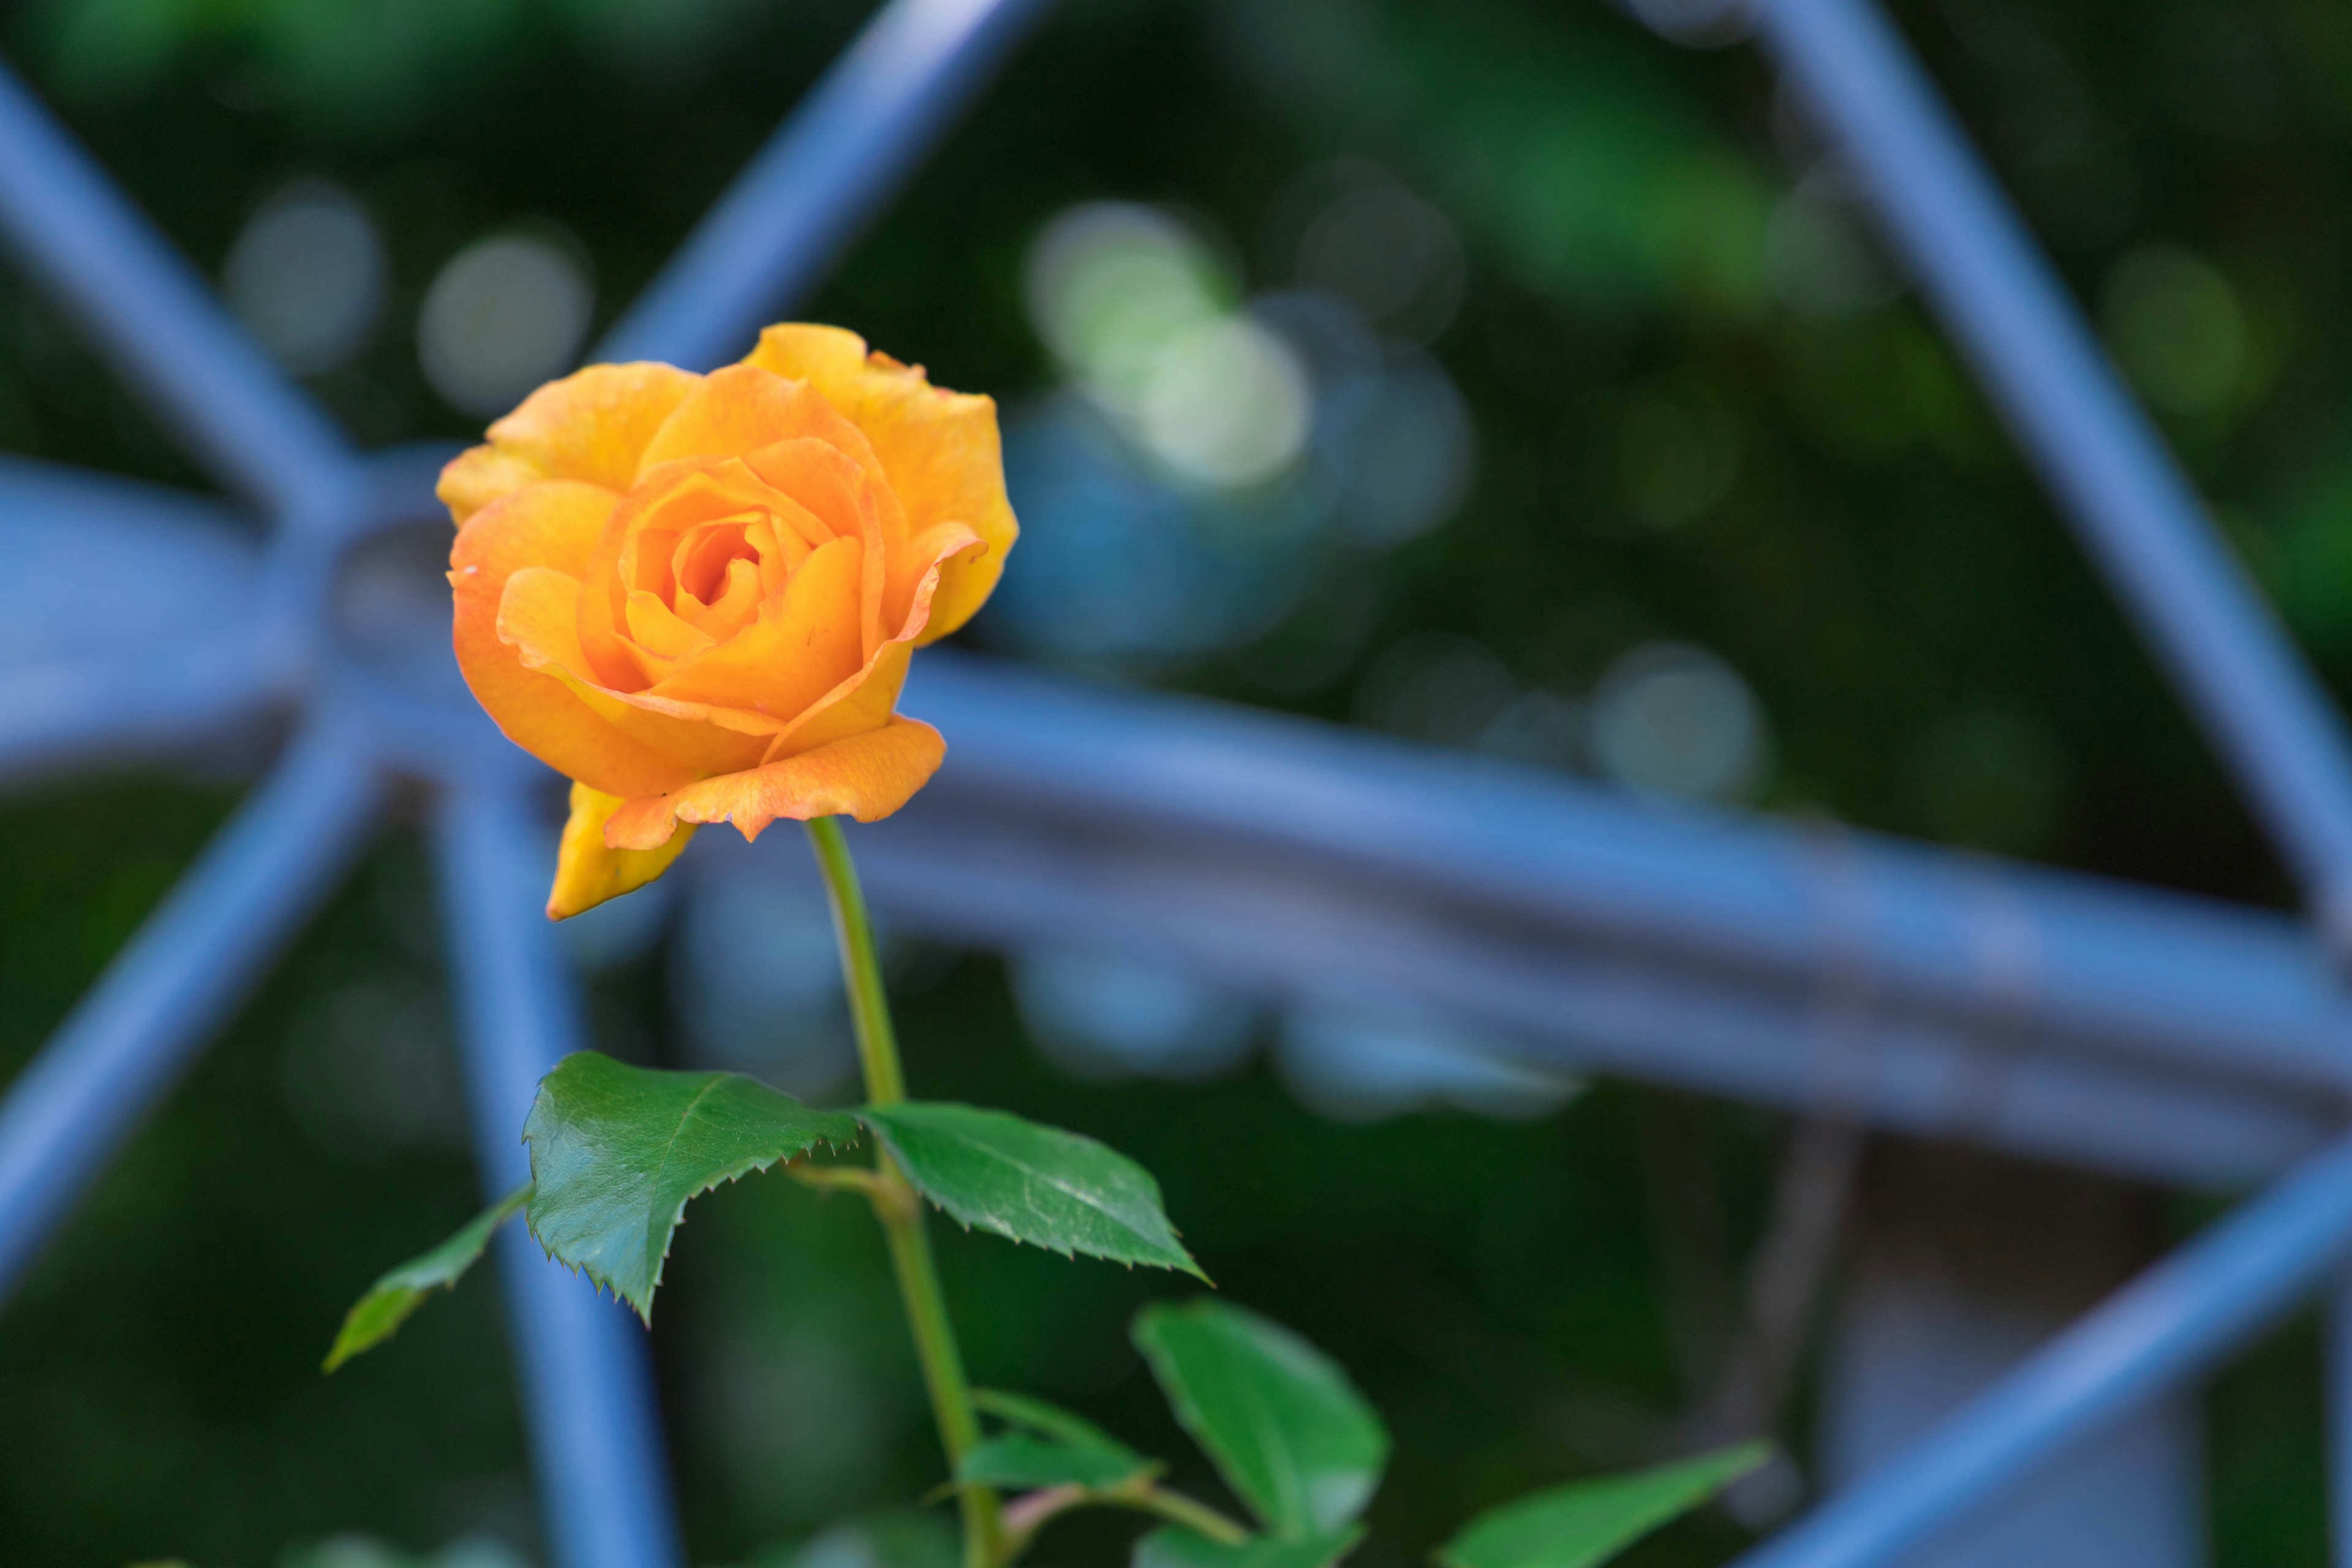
point(536, 616)
point(866, 776)
point(938, 448)
point(592, 426)
point(587, 872)
point(823, 480)
point(550, 523)
point(803, 643)
point(864, 701)
point(742, 408)
point(634, 552)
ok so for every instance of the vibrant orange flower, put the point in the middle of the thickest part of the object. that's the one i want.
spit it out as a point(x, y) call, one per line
point(697, 595)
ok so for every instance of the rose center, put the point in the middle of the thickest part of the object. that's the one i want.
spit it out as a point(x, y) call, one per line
point(704, 554)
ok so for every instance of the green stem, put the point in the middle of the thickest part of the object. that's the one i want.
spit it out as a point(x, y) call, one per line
point(1197, 1517)
point(894, 1204)
point(1027, 1516)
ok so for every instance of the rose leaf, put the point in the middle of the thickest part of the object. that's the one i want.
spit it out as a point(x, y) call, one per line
point(1587, 1523)
point(1032, 1183)
point(377, 1315)
point(1284, 1426)
point(617, 1151)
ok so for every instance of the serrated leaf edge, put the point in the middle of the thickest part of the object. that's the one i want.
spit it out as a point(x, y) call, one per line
point(598, 1278)
point(1189, 1265)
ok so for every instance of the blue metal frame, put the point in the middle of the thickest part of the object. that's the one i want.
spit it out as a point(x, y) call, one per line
point(2148, 1033)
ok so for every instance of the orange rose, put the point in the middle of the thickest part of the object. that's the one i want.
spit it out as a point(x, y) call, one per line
point(697, 595)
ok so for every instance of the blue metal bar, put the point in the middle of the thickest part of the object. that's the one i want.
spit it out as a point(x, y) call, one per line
point(2171, 1323)
point(134, 1034)
point(2136, 972)
point(153, 317)
point(99, 714)
point(835, 163)
point(2136, 511)
point(182, 647)
point(586, 1379)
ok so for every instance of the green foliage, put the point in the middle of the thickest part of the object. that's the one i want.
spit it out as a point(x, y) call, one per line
point(1286, 1429)
point(1587, 1523)
point(377, 1316)
point(1173, 1548)
point(1049, 1447)
point(617, 1151)
point(1039, 1184)
point(1019, 1461)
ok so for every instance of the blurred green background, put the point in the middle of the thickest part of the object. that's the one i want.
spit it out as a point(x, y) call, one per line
point(1700, 421)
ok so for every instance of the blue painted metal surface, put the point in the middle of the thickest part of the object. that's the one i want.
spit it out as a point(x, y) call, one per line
point(179, 651)
point(839, 159)
point(586, 1377)
point(128, 1041)
point(2173, 1322)
point(153, 317)
point(2127, 496)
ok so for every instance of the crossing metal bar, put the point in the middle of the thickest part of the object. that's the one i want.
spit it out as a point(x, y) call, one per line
point(586, 1383)
point(98, 713)
point(151, 314)
point(131, 1037)
point(2036, 1011)
point(840, 158)
point(2159, 1331)
point(2136, 513)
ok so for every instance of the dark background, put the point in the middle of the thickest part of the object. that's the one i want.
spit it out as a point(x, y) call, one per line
point(1929, 653)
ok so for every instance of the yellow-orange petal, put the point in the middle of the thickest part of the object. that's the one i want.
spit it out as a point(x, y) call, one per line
point(742, 408)
point(480, 475)
point(537, 618)
point(800, 648)
point(915, 572)
point(592, 427)
point(868, 776)
point(588, 872)
point(551, 525)
point(940, 448)
point(860, 703)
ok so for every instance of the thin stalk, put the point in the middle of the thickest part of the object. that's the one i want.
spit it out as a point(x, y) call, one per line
point(894, 1201)
point(1197, 1517)
point(1027, 1516)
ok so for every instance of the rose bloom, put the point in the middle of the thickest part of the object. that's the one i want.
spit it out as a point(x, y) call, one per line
point(695, 596)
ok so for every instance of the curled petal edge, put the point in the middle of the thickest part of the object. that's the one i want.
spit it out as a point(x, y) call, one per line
point(867, 776)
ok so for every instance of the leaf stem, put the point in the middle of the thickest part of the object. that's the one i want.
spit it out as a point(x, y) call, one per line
point(1027, 1515)
point(1197, 1517)
point(894, 1204)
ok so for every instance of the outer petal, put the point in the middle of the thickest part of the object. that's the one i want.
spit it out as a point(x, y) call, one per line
point(866, 776)
point(592, 427)
point(741, 409)
point(940, 448)
point(553, 525)
point(586, 872)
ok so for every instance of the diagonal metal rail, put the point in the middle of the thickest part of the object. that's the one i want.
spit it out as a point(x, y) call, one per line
point(159, 1003)
point(594, 1428)
point(2109, 471)
point(151, 315)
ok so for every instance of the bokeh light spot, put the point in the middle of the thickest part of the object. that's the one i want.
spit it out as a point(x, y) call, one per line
point(503, 315)
point(306, 275)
